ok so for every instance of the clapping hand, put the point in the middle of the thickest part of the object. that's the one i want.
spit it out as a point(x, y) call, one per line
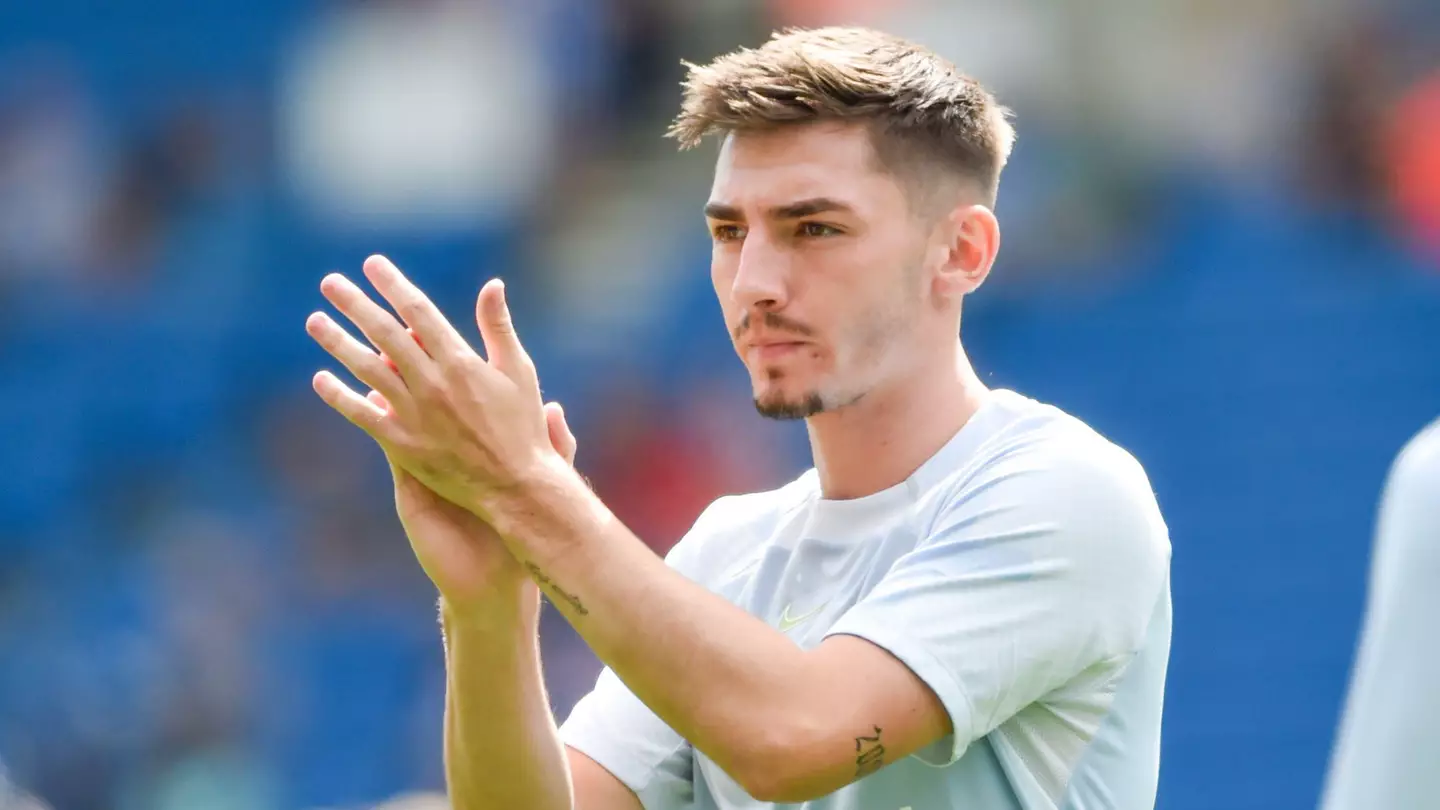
point(457, 428)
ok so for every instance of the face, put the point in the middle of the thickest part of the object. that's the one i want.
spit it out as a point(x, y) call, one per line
point(820, 267)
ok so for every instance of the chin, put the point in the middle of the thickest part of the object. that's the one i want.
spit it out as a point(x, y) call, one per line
point(789, 407)
point(775, 399)
point(784, 399)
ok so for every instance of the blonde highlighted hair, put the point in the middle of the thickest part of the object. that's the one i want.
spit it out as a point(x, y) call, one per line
point(922, 112)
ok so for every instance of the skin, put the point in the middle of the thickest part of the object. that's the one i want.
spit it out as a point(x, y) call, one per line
point(871, 291)
point(844, 304)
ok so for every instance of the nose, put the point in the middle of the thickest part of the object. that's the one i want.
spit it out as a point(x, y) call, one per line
point(761, 277)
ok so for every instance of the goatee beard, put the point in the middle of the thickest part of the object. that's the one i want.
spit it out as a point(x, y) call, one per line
point(789, 410)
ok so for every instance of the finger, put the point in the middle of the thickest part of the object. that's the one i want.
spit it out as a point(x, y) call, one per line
point(396, 471)
point(391, 363)
point(379, 400)
point(365, 364)
point(360, 411)
point(497, 329)
point(561, 437)
point(414, 307)
point(379, 326)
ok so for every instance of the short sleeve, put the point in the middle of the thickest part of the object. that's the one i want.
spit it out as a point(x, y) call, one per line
point(1387, 747)
point(1043, 564)
point(613, 727)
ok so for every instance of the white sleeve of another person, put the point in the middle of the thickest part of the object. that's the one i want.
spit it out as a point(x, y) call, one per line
point(1388, 750)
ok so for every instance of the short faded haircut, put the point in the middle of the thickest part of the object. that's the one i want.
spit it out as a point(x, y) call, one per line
point(921, 111)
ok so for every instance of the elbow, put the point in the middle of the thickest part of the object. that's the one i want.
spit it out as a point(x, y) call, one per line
point(781, 765)
point(788, 790)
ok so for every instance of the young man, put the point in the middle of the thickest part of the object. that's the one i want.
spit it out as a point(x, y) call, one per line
point(965, 604)
point(1389, 744)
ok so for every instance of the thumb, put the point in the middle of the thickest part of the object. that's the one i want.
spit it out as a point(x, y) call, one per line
point(561, 437)
point(497, 330)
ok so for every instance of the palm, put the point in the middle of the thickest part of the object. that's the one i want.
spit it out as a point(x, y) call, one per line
point(460, 552)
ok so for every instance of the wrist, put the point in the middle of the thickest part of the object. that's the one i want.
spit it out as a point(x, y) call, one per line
point(541, 505)
point(512, 603)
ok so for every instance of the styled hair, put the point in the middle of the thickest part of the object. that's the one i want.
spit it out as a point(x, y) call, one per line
point(922, 112)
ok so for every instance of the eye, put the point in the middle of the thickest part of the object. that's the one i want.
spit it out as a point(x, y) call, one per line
point(818, 229)
point(727, 233)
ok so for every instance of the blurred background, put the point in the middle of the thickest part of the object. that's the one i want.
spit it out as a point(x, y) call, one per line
point(1222, 250)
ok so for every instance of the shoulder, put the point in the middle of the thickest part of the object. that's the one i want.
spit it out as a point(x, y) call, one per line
point(734, 529)
point(1419, 462)
point(1046, 460)
point(1410, 506)
point(1048, 485)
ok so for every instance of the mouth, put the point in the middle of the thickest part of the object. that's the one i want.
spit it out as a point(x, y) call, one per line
point(772, 351)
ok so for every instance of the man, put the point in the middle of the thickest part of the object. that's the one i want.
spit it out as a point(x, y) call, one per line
point(1389, 743)
point(965, 604)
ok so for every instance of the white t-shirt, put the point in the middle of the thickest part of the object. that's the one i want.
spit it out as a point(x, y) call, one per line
point(1388, 753)
point(1022, 572)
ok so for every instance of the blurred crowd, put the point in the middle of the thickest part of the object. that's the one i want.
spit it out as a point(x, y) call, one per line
point(1223, 235)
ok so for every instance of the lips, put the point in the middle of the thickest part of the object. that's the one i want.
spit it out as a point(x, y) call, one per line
point(775, 350)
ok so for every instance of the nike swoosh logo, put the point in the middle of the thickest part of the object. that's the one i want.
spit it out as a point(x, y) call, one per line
point(788, 622)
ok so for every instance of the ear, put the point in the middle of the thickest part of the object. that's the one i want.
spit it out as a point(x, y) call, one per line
point(969, 242)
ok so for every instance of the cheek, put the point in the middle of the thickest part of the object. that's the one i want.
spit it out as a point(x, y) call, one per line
point(722, 275)
point(880, 324)
point(722, 278)
point(730, 312)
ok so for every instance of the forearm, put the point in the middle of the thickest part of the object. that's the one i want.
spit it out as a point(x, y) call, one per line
point(502, 749)
point(724, 680)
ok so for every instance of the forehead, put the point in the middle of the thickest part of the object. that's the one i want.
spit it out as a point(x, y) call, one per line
point(836, 161)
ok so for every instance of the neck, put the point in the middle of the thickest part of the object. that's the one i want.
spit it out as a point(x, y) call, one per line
point(883, 438)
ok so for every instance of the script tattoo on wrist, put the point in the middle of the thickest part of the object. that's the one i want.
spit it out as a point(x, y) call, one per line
point(869, 754)
point(548, 585)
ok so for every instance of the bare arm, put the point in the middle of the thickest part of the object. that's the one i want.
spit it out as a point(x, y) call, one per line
point(897, 672)
point(501, 746)
point(597, 788)
point(787, 724)
point(502, 749)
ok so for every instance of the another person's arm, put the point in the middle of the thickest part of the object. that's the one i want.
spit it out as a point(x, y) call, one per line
point(1388, 749)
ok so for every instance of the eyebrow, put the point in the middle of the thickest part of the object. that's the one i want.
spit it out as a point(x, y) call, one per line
point(795, 210)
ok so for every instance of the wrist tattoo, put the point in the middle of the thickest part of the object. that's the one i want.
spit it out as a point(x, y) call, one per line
point(869, 754)
point(547, 584)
